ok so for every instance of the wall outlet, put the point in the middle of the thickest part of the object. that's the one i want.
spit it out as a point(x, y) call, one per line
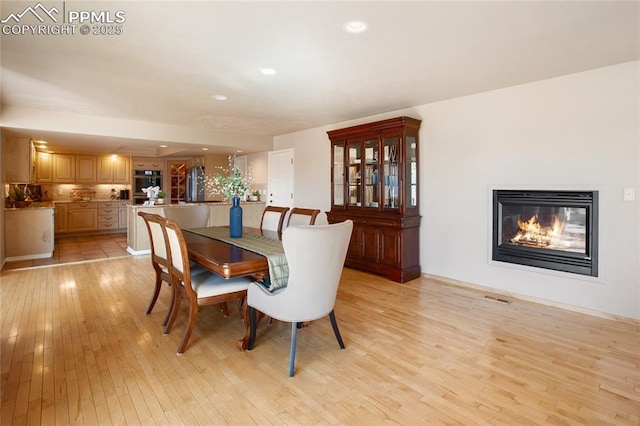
point(629, 194)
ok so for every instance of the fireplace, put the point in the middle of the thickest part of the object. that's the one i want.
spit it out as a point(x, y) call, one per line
point(547, 229)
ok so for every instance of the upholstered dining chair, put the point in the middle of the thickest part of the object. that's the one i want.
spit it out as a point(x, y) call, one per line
point(273, 219)
point(300, 216)
point(199, 289)
point(314, 275)
point(159, 258)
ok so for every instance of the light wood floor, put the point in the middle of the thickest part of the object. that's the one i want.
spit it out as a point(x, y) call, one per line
point(77, 348)
point(78, 249)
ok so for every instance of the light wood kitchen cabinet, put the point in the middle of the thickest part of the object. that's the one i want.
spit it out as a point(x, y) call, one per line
point(108, 215)
point(19, 157)
point(64, 168)
point(114, 170)
point(82, 217)
point(122, 214)
point(85, 169)
point(144, 163)
point(44, 167)
point(61, 223)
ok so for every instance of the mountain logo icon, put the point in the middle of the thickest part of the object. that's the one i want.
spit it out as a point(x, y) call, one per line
point(38, 11)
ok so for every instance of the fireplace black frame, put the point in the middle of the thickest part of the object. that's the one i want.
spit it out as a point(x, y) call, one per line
point(559, 260)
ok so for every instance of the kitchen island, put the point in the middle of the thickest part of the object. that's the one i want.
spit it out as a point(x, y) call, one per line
point(28, 233)
point(190, 215)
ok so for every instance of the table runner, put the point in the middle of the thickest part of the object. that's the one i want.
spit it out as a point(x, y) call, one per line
point(267, 247)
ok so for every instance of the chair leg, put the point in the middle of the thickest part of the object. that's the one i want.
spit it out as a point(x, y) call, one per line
point(193, 314)
point(170, 309)
point(252, 327)
point(334, 324)
point(156, 292)
point(292, 353)
point(175, 306)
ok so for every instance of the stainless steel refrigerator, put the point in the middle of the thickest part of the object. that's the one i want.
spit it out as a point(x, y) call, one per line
point(195, 184)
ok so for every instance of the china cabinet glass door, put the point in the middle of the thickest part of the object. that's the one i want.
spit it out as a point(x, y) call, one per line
point(391, 172)
point(338, 175)
point(411, 173)
point(371, 194)
point(354, 158)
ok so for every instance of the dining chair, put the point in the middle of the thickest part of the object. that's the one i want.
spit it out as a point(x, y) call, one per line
point(300, 216)
point(273, 219)
point(314, 275)
point(199, 289)
point(159, 258)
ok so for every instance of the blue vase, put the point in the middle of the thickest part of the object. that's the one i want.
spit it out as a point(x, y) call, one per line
point(235, 219)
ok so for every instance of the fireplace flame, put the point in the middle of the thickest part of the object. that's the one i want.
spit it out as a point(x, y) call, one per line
point(534, 234)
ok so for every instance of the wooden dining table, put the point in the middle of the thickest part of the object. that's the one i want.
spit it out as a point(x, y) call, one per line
point(228, 261)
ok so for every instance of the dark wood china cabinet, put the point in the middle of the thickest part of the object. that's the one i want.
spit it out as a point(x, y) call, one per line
point(374, 182)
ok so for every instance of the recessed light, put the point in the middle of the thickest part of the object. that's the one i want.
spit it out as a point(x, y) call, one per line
point(205, 149)
point(219, 97)
point(267, 71)
point(163, 146)
point(355, 27)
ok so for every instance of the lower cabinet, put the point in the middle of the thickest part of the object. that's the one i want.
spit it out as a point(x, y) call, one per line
point(384, 246)
point(94, 216)
point(108, 215)
point(61, 220)
point(82, 217)
point(122, 214)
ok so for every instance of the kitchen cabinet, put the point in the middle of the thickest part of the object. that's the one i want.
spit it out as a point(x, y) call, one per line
point(178, 180)
point(44, 167)
point(144, 163)
point(108, 215)
point(18, 158)
point(85, 169)
point(374, 182)
point(82, 217)
point(122, 214)
point(61, 221)
point(114, 169)
point(64, 168)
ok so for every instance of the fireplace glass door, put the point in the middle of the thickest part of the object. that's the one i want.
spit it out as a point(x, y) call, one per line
point(547, 229)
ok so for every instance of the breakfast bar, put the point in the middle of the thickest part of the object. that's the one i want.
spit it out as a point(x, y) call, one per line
point(189, 215)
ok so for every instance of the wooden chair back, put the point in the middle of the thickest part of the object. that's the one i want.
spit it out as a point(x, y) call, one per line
point(300, 216)
point(273, 219)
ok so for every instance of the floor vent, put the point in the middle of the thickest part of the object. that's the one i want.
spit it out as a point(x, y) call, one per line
point(497, 299)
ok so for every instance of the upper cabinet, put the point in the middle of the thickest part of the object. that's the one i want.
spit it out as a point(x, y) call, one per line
point(64, 168)
point(85, 169)
point(68, 168)
point(144, 163)
point(114, 169)
point(19, 158)
point(44, 167)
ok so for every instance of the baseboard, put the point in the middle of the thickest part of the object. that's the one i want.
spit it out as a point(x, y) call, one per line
point(545, 302)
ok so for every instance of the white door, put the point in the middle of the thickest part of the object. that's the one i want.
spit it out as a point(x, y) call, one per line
point(280, 190)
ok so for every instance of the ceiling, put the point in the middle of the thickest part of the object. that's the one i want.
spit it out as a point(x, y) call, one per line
point(152, 84)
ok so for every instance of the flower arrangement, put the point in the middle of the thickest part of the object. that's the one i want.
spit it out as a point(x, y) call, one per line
point(230, 182)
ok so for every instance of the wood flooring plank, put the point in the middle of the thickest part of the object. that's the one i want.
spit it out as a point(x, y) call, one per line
point(77, 348)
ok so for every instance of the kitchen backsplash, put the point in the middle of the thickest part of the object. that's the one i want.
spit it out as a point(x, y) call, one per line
point(64, 192)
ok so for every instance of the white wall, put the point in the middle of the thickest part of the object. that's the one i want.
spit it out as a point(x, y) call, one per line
point(579, 131)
